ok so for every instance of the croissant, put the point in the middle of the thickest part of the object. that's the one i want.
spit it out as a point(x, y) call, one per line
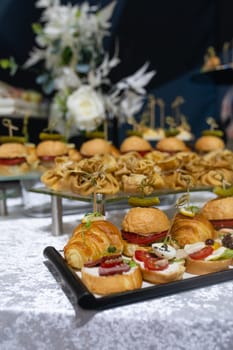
point(188, 230)
point(91, 241)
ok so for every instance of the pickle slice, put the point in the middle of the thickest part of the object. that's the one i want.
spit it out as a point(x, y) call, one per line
point(143, 201)
point(223, 192)
point(171, 132)
point(51, 136)
point(134, 133)
point(11, 139)
point(218, 133)
point(94, 134)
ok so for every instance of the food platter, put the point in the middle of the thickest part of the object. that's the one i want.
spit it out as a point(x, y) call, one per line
point(70, 279)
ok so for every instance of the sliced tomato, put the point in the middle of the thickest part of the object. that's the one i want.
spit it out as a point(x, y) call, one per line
point(47, 158)
point(143, 153)
point(222, 223)
point(139, 239)
point(203, 253)
point(12, 161)
point(143, 255)
point(156, 264)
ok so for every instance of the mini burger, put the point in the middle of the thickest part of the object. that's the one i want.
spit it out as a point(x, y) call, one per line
point(143, 226)
point(48, 150)
point(135, 144)
point(219, 211)
point(97, 146)
point(208, 143)
point(171, 145)
point(13, 159)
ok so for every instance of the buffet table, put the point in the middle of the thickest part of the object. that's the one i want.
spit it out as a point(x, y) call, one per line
point(35, 313)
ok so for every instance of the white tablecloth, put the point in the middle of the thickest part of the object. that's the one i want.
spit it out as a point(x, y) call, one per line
point(36, 314)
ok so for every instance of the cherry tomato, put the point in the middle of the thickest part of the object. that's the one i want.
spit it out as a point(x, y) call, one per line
point(12, 161)
point(156, 264)
point(143, 255)
point(202, 254)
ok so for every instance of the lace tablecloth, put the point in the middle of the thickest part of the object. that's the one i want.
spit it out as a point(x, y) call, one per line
point(36, 314)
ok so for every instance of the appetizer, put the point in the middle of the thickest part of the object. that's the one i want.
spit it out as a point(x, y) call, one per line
point(160, 264)
point(111, 274)
point(92, 239)
point(206, 257)
point(220, 212)
point(135, 144)
point(189, 227)
point(15, 159)
point(143, 226)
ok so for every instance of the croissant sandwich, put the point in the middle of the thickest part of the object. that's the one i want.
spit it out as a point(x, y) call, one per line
point(92, 239)
point(187, 230)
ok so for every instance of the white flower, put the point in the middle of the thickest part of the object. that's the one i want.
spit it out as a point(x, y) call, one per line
point(85, 108)
point(67, 79)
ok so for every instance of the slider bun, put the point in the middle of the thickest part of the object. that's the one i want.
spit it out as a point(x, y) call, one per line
point(95, 146)
point(163, 276)
point(145, 221)
point(218, 208)
point(201, 267)
point(51, 148)
point(13, 150)
point(171, 144)
point(14, 170)
point(135, 143)
point(117, 283)
point(209, 143)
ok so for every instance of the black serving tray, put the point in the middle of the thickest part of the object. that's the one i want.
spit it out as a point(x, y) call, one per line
point(88, 301)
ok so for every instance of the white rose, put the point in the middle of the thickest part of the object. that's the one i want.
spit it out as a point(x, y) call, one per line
point(86, 108)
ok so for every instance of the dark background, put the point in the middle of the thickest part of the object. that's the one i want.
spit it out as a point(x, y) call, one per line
point(172, 35)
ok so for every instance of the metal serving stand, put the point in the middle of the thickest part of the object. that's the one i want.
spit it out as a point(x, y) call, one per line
point(115, 202)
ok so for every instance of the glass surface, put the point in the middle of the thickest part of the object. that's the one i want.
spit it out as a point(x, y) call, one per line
point(118, 196)
point(28, 176)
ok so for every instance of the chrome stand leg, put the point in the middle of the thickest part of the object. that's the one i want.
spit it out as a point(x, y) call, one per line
point(57, 227)
point(99, 206)
point(3, 204)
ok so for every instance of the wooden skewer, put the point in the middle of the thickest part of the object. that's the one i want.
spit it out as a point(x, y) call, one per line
point(8, 124)
point(161, 104)
point(152, 103)
point(106, 129)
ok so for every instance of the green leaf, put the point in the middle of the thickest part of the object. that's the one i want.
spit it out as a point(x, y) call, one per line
point(37, 28)
point(227, 254)
point(66, 55)
point(111, 249)
point(193, 209)
point(9, 63)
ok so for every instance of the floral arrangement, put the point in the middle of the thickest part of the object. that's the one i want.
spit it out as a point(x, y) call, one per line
point(76, 68)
